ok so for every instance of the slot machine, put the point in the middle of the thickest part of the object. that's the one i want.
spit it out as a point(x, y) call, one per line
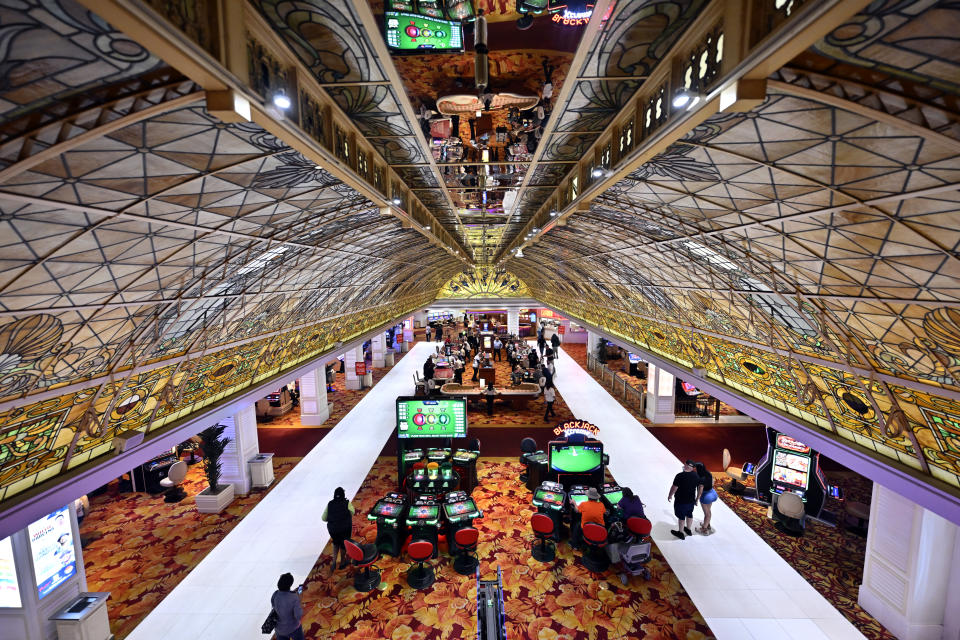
point(791, 466)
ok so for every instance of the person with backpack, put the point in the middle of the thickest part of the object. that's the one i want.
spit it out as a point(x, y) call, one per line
point(339, 518)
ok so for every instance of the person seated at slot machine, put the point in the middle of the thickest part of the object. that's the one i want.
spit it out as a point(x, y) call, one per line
point(516, 377)
point(630, 505)
point(592, 510)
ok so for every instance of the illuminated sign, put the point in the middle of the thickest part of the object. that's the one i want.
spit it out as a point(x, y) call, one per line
point(577, 426)
point(54, 556)
point(786, 442)
point(9, 587)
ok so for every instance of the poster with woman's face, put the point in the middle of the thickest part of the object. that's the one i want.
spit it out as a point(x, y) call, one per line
point(54, 557)
point(9, 588)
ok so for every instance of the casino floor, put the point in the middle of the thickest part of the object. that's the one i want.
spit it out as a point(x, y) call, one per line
point(732, 584)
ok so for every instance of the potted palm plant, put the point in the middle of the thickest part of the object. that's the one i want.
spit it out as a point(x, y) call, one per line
point(216, 496)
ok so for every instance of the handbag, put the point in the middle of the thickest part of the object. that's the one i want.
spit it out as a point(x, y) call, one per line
point(270, 623)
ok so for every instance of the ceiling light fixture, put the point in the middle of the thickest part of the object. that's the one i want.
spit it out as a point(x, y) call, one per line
point(281, 101)
point(397, 201)
point(686, 98)
point(536, 230)
point(597, 172)
point(554, 213)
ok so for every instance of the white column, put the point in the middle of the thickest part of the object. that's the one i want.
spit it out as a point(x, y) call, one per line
point(377, 347)
point(407, 334)
point(244, 444)
point(513, 321)
point(420, 319)
point(592, 340)
point(350, 360)
point(660, 396)
point(909, 567)
point(314, 410)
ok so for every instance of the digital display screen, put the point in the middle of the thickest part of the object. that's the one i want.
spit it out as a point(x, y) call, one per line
point(575, 458)
point(790, 469)
point(418, 418)
point(550, 497)
point(614, 496)
point(533, 317)
point(460, 509)
point(634, 358)
point(387, 509)
point(51, 545)
point(577, 498)
point(689, 389)
point(9, 587)
point(465, 456)
point(424, 512)
point(413, 455)
point(413, 32)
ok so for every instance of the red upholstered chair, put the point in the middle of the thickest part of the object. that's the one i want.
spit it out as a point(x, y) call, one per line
point(595, 557)
point(363, 557)
point(542, 525)
point(420, 576)
point(466, 561)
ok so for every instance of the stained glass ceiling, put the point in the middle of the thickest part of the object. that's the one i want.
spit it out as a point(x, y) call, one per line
point(162, 247)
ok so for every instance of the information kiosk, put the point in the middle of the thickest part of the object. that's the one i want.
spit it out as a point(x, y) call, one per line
point(389, 514)
point(459, 510)
point(550, 498)
point(423, 519)
point(791, 466)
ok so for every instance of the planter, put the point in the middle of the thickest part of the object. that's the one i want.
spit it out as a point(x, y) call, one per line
point(214, 503)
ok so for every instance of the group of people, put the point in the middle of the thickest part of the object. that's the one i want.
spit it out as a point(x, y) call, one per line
point(691, 486)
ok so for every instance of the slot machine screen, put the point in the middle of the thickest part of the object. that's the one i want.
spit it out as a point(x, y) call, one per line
point(689, 389)
point(418, 418)
point(551, 497)
point(422, 34)
point(791, 471)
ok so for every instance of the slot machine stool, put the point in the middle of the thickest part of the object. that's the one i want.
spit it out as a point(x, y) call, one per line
point(363, 557)
point(542, 525)
point(595, 557)
point(466, 561)
point(420, 576)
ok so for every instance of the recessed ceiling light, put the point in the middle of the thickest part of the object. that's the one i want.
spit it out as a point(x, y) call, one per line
point(397, 201)
point(681, 99)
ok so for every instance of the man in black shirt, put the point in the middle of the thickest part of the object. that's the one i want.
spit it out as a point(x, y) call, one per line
point(685, 489)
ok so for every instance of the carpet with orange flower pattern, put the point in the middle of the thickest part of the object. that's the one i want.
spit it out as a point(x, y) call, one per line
point(552, 600)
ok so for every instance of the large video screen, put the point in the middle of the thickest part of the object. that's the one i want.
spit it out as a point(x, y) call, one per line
point(575, 458)
point(413, 32)
point(419, 418)
point(51, 545)
point(9, 587)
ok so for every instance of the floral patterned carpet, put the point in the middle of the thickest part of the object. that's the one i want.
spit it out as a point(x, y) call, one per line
point(558, 600)
point(141, 547)
point(829, 558)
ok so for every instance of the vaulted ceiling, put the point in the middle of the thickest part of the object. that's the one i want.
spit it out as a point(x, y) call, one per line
point(169, 238)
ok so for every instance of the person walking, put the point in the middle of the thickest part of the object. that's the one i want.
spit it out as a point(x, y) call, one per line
point(339, 518)
point(476, 366)
point(491, 395)
point(555, 342)
point(427, 333)
point(549, 396)
point(706, 495)
point(289, 611)
point(458, 369)
point(497, 345)
point(684, 487)
point(541, 344)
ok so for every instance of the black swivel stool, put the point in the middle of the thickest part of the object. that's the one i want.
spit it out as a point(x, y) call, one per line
point(542, 525)
point(364, 557)
point(595, 557)
point(420, 576)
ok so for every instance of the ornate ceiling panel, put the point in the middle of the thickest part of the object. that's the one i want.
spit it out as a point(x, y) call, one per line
point(484, 283)
point(803, 253)
point(163, 259)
